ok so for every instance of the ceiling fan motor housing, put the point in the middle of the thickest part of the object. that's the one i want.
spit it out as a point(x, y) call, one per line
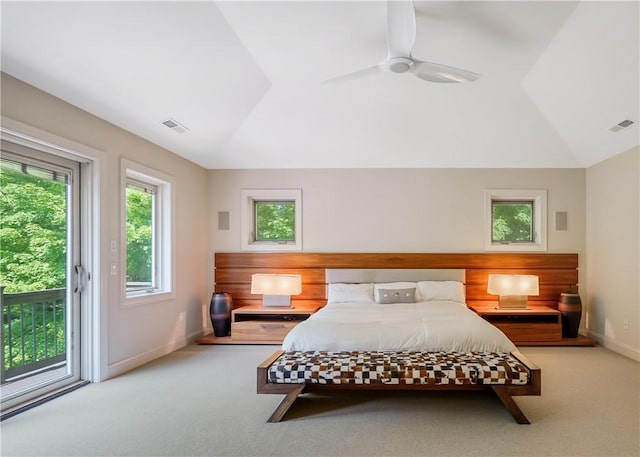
point(399, 64)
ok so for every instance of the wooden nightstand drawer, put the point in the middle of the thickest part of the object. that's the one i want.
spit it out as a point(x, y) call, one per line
point(264, 325)
point(535, 325)
point(261, 330)
point(530, 332)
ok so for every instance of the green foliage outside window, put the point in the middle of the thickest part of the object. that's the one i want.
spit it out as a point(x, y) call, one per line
point(139, 236)
point(512, 221)
point(33, 215)
point(32, 233)
point(275, 221)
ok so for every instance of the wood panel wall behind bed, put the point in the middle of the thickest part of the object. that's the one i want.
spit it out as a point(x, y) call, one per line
point(556, 272)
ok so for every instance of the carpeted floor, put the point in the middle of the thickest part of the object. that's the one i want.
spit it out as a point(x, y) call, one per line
point(201, 401)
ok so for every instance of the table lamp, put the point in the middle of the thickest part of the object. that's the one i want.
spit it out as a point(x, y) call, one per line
point(513, 289)
point(276, 289)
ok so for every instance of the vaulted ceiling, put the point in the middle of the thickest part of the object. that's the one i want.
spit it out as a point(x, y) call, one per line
point(248, 79)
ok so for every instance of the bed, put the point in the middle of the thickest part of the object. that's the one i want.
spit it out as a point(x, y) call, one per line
point(402, 330)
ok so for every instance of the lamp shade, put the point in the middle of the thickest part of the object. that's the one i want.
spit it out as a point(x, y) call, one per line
point(513, 285)
point(276, 284)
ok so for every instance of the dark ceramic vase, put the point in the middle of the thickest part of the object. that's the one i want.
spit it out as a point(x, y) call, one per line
point(220, 312)
point(570, 306)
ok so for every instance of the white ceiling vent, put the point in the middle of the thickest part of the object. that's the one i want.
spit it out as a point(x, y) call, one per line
point(175, 126)
point(622, 125)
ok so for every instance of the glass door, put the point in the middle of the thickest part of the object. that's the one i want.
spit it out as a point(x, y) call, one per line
point(41, 278)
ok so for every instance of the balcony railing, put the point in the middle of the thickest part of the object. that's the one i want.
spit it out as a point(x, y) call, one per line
point(33, 332)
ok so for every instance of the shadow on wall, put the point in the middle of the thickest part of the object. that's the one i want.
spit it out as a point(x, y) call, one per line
point(596, 321)
point(187, 321)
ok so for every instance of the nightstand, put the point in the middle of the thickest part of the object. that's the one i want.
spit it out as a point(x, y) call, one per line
point(525, 327)
point(263, 325)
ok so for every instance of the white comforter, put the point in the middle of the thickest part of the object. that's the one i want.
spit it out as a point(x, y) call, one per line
point(426, 326)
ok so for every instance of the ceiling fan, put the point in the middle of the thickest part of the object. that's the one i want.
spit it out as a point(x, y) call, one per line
point(401, 36)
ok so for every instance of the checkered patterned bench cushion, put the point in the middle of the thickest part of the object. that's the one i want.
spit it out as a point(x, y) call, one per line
point(435, 368)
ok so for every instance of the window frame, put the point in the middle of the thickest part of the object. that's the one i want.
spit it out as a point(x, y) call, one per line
point(538, 197)
point(163, 269)
point(248, 222)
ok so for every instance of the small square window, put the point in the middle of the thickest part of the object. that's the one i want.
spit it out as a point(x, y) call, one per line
point(271, 220)
point(515, 220)
point(274, 221)
point(512, 221)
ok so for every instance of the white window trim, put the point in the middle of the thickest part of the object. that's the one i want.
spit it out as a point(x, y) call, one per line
point(165, 185)
point(249, 196)
point(539, 198)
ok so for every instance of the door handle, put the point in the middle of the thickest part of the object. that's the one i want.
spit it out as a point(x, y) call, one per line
point(81, 279)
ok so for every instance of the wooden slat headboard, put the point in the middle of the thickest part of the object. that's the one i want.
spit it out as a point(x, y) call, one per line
point(556, 272)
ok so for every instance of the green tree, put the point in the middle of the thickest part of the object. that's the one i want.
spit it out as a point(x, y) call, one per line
point(512, 221)
point(32, 232)
point(33, 215)
point(139, 235)
point(275, 221)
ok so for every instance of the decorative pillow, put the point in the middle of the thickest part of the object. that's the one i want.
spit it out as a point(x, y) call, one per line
point(350, 293)
point(395, 285)
point(397, 295)
point(442, 290)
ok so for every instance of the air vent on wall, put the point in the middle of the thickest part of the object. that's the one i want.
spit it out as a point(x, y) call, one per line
point(622, 125)
point(175, 126)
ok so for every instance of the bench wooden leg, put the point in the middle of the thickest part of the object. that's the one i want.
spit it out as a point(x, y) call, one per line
point(506, 399)
point(286, 403)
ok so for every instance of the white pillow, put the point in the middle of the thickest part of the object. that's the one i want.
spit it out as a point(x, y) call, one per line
point(442, 290)
point(395, 285)
point(350, 293)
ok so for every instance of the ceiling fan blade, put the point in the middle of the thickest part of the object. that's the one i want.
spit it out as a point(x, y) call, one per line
point(438, 73)
point(401, 27)
point(355, 75)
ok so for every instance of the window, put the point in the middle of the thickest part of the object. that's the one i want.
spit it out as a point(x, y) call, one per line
point(147, 233)
point(512, 221)
point(515, 220)
point(271, 220)
point(274, 221)
point(140, 230)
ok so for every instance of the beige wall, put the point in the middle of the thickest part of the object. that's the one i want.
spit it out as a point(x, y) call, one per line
point(131, 335)
point(399, 210)
point(613, 252)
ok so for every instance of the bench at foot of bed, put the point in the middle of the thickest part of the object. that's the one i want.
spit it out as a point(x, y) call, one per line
point(294, 373)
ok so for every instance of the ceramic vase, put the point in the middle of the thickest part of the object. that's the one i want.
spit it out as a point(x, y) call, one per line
point(220, 312)
point(570, 306)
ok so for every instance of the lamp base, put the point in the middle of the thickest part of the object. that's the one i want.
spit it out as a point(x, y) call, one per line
point(279, 301)
point(512, 302)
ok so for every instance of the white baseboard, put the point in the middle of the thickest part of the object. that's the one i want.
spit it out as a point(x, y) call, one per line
point(616, 346)
point(122, 366)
